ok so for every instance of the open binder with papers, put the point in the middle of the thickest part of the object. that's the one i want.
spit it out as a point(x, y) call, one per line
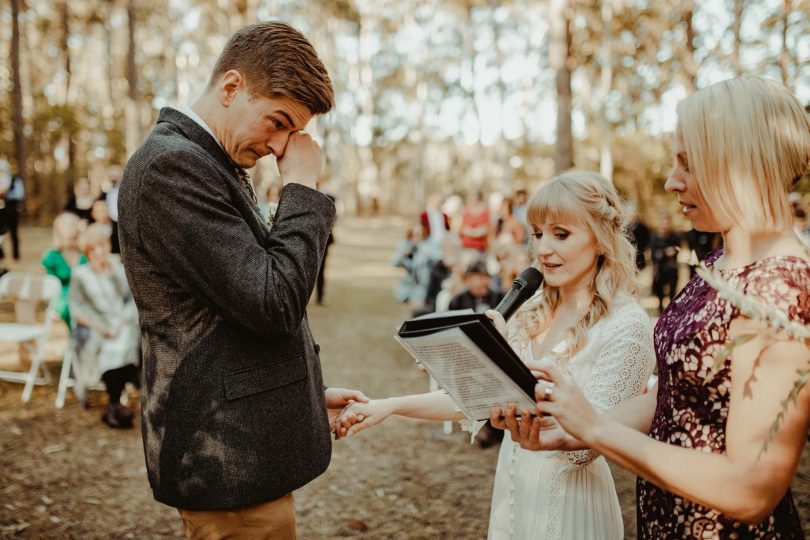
point(471, 361)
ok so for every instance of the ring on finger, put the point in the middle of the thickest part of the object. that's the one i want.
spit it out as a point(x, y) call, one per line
point(548, 393)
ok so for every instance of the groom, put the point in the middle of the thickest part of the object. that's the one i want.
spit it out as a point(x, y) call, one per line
point(234, 412)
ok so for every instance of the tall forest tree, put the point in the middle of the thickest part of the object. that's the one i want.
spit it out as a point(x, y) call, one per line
point(18, 121)
point(71, 125)
point(453, 95)
point(560, 62)
point(133, 112)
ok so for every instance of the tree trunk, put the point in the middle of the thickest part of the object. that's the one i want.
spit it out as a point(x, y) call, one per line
point(560, 60)
point(133, 116)
point(64, 43)
point(689, 65)
point(16, 94)
point(368, 170)
point(109, 107)
point(736, 64)
point(784, 56)
point(501, 145)
point(605, 85)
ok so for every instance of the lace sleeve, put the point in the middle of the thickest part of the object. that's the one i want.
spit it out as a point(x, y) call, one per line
point(623, 361)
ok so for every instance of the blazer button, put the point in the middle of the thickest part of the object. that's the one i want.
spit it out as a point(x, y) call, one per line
point(317, 349)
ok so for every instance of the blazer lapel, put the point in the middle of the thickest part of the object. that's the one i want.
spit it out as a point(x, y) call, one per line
point(195, 133)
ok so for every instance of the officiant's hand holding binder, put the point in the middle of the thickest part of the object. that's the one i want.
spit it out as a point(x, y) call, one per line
point(470, 360)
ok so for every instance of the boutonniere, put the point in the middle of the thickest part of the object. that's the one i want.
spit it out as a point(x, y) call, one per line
point(271, 214)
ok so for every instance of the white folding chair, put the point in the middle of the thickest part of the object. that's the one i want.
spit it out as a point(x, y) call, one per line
point(65, 380)
point(27, 290)
point(71, 376)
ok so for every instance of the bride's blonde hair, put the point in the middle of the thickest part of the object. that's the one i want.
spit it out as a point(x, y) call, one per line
point(584, 198)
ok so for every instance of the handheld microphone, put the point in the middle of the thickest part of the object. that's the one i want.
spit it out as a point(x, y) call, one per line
point(524, 286)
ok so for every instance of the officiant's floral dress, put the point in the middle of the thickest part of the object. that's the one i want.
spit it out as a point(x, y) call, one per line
point(570, 495)
point(692, 409)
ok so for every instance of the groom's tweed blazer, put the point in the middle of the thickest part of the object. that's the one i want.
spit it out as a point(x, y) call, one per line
point(233, 408)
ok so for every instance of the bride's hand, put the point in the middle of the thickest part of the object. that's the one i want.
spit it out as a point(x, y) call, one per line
point(359, 416)
point(534, 432)
point(558, 395)
point(499, 322)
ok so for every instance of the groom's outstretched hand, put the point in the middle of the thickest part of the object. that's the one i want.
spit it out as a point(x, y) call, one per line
point(337, 399)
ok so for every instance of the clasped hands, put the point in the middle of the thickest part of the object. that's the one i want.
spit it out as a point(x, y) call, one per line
point(564, 417)
point(338, 402)
point(540, 432)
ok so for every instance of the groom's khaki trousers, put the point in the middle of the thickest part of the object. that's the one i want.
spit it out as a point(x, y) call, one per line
point(274, 520)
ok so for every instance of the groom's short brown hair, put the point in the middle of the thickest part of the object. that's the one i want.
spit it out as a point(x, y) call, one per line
point(277, 60)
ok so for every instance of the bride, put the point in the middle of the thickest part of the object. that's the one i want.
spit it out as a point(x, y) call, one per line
point(586, 317)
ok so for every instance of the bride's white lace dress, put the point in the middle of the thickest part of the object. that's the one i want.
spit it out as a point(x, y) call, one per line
point(570, 495)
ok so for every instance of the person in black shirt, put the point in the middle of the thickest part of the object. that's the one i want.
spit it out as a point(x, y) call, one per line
point(477, 296)
point(701, 244)
point(664, 248)
point(639, 236)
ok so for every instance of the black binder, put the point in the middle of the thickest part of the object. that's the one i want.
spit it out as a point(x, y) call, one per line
point(480, 329)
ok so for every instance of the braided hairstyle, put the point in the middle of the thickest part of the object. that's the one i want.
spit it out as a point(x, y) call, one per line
point(584, 198)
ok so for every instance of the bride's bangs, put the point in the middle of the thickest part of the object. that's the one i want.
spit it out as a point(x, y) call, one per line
point(555, 203)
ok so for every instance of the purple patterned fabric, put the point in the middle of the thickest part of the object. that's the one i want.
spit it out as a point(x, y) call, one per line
point(692, 409)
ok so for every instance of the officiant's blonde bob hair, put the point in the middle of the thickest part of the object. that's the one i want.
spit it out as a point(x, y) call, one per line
point(589, 199)
point(747, 142)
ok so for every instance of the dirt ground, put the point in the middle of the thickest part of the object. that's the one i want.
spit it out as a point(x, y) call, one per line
point(63, 474)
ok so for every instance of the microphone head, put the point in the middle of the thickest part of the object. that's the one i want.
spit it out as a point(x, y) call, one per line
point(530, 280)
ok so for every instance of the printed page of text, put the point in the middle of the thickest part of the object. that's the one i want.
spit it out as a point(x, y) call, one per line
point(475, 382)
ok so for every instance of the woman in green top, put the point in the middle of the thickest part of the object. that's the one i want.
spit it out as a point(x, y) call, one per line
point(64, 255)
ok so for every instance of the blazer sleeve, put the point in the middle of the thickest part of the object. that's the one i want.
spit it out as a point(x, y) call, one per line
point(189, 227)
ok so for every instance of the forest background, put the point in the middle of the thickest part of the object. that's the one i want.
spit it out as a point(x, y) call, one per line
point(451, 95)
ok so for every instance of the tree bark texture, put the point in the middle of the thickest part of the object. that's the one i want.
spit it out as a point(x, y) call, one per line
point(560, 60)
point(17, 93)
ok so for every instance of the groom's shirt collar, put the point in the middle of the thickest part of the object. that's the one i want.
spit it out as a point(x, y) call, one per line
point(188, 111)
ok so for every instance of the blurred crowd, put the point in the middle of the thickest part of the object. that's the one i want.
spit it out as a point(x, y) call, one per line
point(460, 254)
point(463, 254)
point(95, 302)
point(456, 254)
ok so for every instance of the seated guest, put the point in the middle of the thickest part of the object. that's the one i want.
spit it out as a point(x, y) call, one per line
point(440, 272)
point(106, 333)
point(509, 229)
point(434, 221)
point(477, 296)
point(415, 255)
point(512, 263)
point(475, 223)
point(59, 260)
point(101, 215)
point(81, 200)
